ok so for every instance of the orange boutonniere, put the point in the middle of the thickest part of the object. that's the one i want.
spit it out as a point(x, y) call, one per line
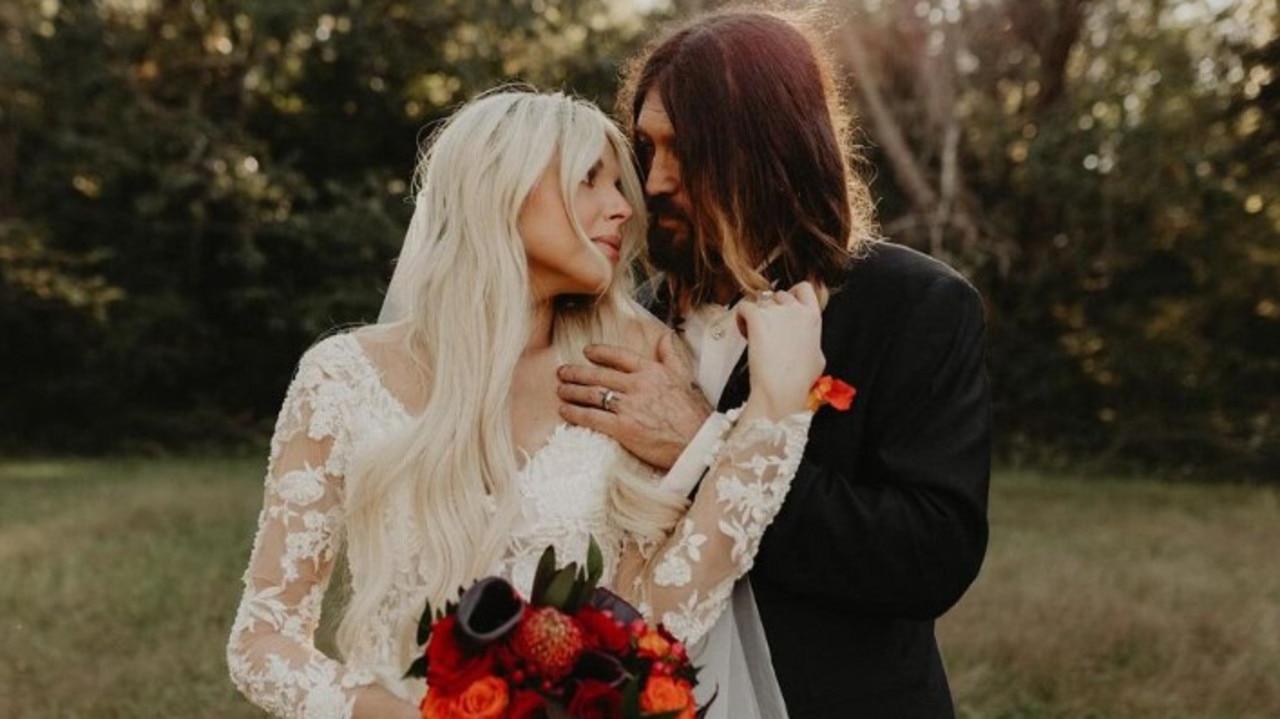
point(829, 390)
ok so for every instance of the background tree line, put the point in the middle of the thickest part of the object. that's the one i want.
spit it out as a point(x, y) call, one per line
point(192, 192)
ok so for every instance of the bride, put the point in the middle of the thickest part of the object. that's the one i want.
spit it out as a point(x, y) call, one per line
point(429, 449)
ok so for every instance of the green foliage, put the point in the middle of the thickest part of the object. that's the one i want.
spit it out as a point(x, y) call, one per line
point(191, 193)
point(569, 587)
point(1119, 162)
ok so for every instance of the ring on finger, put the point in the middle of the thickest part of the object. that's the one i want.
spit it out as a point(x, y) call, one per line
point(607, 398)
point(764, 296)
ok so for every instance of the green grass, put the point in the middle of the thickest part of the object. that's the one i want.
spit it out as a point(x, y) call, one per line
point(118, 583)
point(119, 579)
point(1121, 599)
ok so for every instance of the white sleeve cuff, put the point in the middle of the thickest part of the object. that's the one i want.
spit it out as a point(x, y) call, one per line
point(696, 457)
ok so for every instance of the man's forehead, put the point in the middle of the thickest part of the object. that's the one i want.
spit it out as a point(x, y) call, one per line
point(653, 114)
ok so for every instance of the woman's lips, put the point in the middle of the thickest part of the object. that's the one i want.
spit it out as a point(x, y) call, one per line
point(610, 245)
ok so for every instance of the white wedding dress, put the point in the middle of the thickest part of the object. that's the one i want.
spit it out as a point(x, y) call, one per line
point(337, 406)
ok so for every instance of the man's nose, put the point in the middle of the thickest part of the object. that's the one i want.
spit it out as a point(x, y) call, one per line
point(664, 175)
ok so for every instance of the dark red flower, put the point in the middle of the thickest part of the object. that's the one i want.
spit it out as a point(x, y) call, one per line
point(549, 641)
point(604, 632)
point(595, 700)
point(525, 704)
point(451, 669)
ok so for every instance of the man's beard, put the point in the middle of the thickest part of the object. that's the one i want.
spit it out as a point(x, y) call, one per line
point(671, 239)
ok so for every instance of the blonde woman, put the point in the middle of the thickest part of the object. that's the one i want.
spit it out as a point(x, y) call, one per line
point(429, 449)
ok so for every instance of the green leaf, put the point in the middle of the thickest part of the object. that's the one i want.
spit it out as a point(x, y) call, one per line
point(561, 587)
point(577, 595)
point(424, 624)
point(418, 668)
point(595, 563)
point(630, 702)
point(542, 577)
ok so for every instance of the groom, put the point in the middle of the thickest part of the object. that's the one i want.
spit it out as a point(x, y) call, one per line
point(885, 525)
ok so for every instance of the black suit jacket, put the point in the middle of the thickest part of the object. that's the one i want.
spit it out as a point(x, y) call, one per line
point(885, 524)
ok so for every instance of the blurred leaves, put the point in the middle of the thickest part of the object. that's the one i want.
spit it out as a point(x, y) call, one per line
point(192, 192)
point(1107, 172)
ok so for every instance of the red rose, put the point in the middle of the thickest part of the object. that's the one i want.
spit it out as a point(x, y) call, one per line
point(450, 669)
point(595, 700)
point(505, 661)
point(605, 632)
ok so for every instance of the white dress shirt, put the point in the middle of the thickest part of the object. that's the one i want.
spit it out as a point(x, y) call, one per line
point(711, 331)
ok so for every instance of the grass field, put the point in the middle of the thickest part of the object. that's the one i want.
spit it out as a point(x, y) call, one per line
point(118, 581)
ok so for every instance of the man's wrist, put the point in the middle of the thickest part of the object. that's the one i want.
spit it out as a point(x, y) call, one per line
point(693, 461)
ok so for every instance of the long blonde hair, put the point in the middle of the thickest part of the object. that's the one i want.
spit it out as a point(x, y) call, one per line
point(466, 295)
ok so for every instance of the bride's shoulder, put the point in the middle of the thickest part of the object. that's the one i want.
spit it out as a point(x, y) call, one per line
point(341, 357)
point(365, 361)
point(386, 351)
point(333, 353)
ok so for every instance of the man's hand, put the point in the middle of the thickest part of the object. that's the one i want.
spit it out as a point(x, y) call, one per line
point(654, 408)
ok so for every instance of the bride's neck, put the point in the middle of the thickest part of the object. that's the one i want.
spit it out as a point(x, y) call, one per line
point(540, 327)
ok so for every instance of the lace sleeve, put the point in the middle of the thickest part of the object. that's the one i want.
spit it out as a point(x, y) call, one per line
point(686, 580)
point(271, 653)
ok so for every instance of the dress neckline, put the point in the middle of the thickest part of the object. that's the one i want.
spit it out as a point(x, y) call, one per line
point(558, 433)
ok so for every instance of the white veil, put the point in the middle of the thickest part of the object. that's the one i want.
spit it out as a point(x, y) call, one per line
point(398, 300)
point(736, 664)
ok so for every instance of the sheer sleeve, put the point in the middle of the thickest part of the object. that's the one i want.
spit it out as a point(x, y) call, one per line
point(271, 653)
point(686, 580)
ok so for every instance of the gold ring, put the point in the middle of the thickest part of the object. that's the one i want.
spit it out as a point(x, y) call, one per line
point(764, 296)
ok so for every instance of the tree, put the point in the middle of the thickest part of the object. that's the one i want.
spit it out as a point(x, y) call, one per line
point(190, 193)
point(1075, 159)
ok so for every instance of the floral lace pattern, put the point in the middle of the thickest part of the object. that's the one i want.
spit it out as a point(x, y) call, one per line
point(338, 406)
point(687, 581)
point(271, 654)
point(567, 470)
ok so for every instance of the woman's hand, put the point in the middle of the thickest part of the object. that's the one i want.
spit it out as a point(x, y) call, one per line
point(784, 352)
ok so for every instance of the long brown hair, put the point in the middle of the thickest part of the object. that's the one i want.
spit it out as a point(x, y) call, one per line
point(761, 140)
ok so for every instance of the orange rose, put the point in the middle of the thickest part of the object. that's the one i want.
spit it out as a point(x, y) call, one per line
point(665, 694)
point(486, 698)
point(653, 645)
point(436, 705)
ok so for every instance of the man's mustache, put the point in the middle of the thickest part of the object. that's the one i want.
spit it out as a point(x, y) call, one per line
point(665, 206)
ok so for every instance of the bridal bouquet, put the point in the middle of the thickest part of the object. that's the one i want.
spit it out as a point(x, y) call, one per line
point(570, 650)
